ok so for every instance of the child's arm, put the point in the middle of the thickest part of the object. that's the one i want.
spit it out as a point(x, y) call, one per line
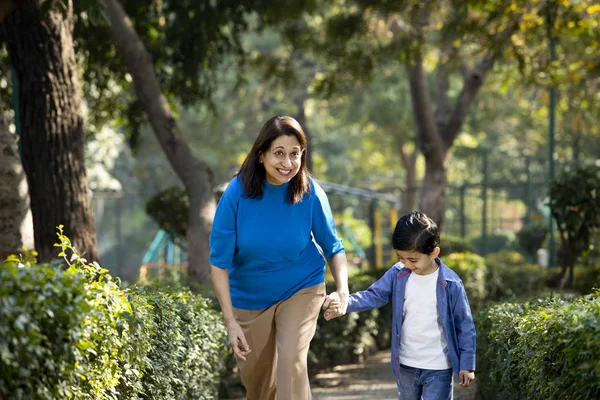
point(377, 295)
point(465, 333)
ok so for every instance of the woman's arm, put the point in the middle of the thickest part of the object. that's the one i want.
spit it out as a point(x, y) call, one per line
point(237, 339)
point(339, 269)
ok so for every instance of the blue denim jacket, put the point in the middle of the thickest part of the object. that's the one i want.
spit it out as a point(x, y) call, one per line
point(453, 307)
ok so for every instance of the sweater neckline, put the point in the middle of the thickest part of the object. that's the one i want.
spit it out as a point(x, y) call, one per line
point(276, 188)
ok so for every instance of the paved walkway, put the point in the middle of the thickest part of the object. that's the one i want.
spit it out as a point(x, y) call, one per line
point(371, 379)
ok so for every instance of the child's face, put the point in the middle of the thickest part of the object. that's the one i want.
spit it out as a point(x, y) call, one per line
point(419, 263)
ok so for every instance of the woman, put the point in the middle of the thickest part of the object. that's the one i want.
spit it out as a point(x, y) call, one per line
point(267, 270)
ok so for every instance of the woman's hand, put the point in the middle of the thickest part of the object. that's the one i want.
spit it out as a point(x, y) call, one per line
point(343, 299)
point(335, 305)
point(339, 270)
point(237, 340)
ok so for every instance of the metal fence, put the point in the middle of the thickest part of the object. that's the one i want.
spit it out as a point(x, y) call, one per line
point(500, 192)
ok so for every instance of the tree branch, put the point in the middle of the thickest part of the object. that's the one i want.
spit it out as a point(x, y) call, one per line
point(472, 81)
point(408, 160)
point(148, 90)
point(442, 113)
point(427, 137)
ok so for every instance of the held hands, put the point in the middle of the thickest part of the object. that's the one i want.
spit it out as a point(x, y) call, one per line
point(335, 304)
point(237, 341)
point(465, 377)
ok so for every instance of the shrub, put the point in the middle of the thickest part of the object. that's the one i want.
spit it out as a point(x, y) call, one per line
point(508, 274)
point(547, 348)
point(587, 277)
point(454, 244)
point(531, 238)
point(472, 270)
point(72, 332)
point(494, 242)
point(345, 339)
point(575, 205)
point(383, 322)
point(61, 330)
point(184, 341)
point(169, 209)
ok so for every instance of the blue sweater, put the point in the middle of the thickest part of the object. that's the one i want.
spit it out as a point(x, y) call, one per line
point(266, 244)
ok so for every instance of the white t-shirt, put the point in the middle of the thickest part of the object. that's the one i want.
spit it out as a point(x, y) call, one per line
point(422, 344)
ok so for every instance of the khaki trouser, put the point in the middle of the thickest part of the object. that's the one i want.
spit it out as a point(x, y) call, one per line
point(279, 337)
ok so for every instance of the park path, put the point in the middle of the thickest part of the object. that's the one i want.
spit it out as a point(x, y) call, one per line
point(371, 379)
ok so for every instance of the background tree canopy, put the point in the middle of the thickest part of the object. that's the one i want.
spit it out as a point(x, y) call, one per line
point(376, 84)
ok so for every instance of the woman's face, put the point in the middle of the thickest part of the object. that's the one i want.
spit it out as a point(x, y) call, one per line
point(282, 160)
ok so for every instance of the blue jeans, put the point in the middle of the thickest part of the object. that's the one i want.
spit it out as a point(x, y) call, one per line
point(424, 384)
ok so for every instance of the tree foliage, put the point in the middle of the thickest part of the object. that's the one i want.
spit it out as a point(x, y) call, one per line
point(575, 205)
point(187, 41)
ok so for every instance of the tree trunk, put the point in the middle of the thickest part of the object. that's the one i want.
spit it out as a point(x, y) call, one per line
point(434, 185)
point(436, 131)
point(301, 118)
point(409, 162)
point(16, 224)
point(433, 191)
point(40, 48)
point(195, 175)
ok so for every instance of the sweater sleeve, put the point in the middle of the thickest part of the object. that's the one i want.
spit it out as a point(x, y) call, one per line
point(223, 235)
point(323, 224)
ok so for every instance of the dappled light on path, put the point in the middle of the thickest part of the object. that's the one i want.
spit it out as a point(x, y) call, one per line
point(371, 379)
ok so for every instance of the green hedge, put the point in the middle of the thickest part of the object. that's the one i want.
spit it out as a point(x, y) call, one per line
point(494, 242)
point(348, 338)
point(72, 332)
point(61, 333)
point(587, 277)
point(454, 244)
point(472, 270)
point(510, 275)
point(184, 338)
point(544, 349)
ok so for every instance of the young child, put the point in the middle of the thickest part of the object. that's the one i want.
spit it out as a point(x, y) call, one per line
point(433, 331)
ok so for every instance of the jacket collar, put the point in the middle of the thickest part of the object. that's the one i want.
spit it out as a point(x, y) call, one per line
point(443, 276)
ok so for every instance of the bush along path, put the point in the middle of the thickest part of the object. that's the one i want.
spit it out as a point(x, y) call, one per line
point(69, 331)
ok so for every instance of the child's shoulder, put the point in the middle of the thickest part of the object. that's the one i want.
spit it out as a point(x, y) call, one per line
point(394, 270)
point(398, 267)
point(448, 274)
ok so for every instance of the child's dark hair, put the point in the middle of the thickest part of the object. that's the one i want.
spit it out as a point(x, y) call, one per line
point(416, 232)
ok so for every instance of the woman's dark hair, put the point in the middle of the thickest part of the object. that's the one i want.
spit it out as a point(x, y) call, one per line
point(416, 232)
point(253, 173)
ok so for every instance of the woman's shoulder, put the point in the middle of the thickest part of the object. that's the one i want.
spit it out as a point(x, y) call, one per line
point(314, 189)
point(233, 188)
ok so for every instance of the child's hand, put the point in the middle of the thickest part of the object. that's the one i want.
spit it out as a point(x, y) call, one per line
point(465, 377)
